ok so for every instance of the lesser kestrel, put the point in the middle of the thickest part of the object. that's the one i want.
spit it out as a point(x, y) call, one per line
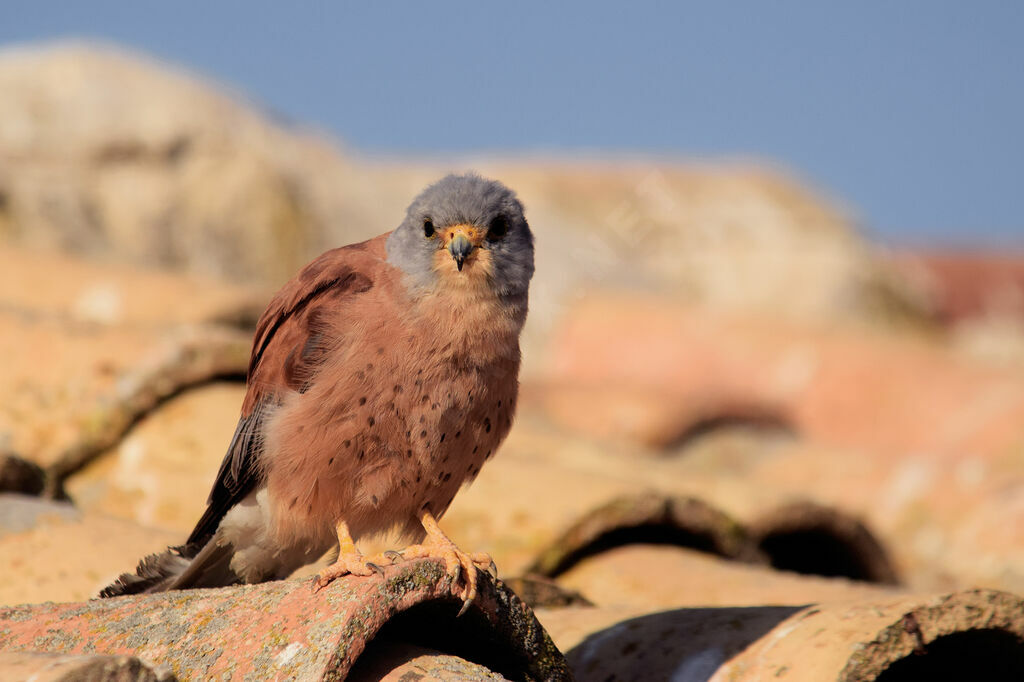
point(381, 379)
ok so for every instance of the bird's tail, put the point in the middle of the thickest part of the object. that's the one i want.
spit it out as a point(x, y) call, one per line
point(178, 568)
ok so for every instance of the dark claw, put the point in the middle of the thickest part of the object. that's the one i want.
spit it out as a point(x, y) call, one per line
point(465, 607)
point(374, 567)
point(314, 584)
point(493, 569)
point(396, 557)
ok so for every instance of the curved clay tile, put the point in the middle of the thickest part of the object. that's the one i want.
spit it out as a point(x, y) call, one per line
point(281, 629)
point(976, 634)
point(650, 519)
point(38, 667)
point(806, 537)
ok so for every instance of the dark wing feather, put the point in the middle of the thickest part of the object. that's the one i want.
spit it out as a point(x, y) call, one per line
point(239, 475)
point(289, 345)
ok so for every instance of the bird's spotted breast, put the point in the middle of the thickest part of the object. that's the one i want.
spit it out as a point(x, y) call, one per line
point(404, 416)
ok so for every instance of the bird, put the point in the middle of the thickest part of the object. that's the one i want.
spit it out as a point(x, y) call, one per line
point(381, 378)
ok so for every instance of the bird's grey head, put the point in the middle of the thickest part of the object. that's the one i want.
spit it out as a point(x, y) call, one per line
point(465, 228)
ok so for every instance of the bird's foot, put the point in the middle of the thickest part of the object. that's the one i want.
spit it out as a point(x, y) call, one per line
point(458, 564)
point(350, 564)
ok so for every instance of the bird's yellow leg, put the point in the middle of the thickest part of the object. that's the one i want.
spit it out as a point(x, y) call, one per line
point(350, 560)
point(439, 546)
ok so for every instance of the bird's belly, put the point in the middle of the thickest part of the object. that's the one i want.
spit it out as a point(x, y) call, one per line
point(378, 460)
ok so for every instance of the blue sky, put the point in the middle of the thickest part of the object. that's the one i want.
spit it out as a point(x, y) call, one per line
point(908, 113)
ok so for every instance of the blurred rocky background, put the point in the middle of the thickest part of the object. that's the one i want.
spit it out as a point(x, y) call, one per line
point(731, 397)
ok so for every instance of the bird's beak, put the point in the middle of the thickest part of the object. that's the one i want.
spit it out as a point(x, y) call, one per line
point(460, 247)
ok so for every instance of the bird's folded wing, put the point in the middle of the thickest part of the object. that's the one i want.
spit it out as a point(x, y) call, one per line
point(292, 338)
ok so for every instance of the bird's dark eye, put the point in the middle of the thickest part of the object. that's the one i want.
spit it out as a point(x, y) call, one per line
point(498, 228)
point(428, 228)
